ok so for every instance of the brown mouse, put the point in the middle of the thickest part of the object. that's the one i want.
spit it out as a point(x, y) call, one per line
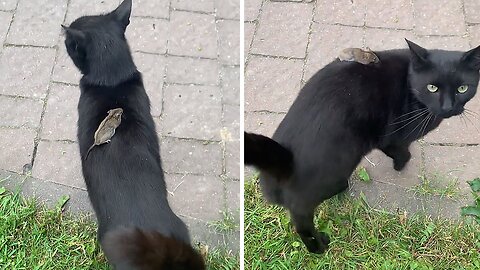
point(358, 55)
point(106, 129)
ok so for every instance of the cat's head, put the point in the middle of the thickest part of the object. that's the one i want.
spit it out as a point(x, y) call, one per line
point(97, 46)
point(443, 80)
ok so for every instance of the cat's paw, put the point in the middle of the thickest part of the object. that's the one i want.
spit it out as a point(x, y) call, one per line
point(400, 162)
point(317, 244)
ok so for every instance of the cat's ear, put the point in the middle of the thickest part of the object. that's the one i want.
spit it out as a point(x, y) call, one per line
point(74, 34)
point(419, 54)
point(122, 13)
point(472, 58)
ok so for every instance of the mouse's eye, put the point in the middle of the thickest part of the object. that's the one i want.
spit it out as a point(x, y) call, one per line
point(462, 88)
point(432, 88)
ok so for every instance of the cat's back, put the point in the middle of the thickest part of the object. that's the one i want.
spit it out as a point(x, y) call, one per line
point(345, 93)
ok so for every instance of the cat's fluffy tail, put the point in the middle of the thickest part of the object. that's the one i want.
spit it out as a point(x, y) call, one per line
point(268, 155)
point(132, 248)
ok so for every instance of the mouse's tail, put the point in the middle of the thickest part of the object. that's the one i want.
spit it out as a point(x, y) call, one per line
point(268, 155)
point(132, 248)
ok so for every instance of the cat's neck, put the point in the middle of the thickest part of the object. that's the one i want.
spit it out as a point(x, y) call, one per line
point(110, 70)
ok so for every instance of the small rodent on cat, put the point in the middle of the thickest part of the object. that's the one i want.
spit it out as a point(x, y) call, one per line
point(106, 129)
point(358, 55)
point(345, 111)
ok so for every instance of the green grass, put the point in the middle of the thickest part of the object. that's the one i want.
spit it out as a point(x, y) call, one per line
point(226, 224)
point(437, 185)
point(361, 238)
point(33, 237)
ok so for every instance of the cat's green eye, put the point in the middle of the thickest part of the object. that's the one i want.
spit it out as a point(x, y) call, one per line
point(462, 88)
point(432, 88)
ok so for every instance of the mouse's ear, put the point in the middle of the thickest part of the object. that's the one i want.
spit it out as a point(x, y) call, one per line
point(122, 13)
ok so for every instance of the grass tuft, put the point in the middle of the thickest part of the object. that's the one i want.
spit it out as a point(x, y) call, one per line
point(361, 238)
point(34, 237)
point(434, 185)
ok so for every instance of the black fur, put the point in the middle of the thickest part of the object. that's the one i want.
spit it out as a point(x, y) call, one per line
point(347, 109)
point(268, 155)
point(124, 178)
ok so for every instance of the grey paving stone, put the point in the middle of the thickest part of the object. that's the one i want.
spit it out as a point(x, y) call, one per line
point(474, 31)
point(195, 196)
point(344, 12)
point(48, 193)
point(279, 21)
point(233, 197)
point(327, 41)
point(192, 111)
point(148, 35)
point(79, 8)
point(37, 22)
point(262, 123)
point(59, 162)
point(271, 84)
point(383, 170)
point(26, 71)
point(190, 70)
point(5, 18)
point(227, 9)
point(194, 5)
point(249, 29)
point(61, 115)
point(384, 39)
point(16, 149)
point(64, 70)
point(437, 206)
point(202, 232)
point(232, 159)
point(229, 42)
point(231, 123)
point(388, 197)
point(191, 157)
point(151, 8)
point(447, 19)
point(153, 70)
point(397, 14)
point(451, 163)
point(230, 82)
point(20, 112)
point(471, 8)
point(445, 43)
point(8, 4)
point(458, 130)
point(251, 9)
point(192, 34)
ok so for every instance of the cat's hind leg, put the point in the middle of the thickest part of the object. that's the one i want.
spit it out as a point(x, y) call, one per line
point(399, 153)
point(316, 242)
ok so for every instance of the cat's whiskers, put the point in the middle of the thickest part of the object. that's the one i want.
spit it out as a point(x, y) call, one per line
point(418, 125)
point(473, 124)
point(422, 133)
point(471, 113)
point(410, 117)
point(417, 116)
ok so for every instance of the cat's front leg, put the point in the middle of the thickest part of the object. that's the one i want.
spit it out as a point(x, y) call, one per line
point(399, 153)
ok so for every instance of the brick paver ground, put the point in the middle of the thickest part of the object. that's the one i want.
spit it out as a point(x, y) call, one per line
point(286, 42)
point(188, 52)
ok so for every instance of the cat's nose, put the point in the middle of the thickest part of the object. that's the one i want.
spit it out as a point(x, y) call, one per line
point(447, 107)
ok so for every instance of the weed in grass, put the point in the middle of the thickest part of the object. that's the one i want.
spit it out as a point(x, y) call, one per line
point(226, 224)
point(362, 174)
point(34, 237)
point(434, 185)
point(361, 238)
point(473, 210)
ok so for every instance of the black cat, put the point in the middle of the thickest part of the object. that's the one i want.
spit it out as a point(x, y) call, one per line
point(124, 178)
point(347, 109)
